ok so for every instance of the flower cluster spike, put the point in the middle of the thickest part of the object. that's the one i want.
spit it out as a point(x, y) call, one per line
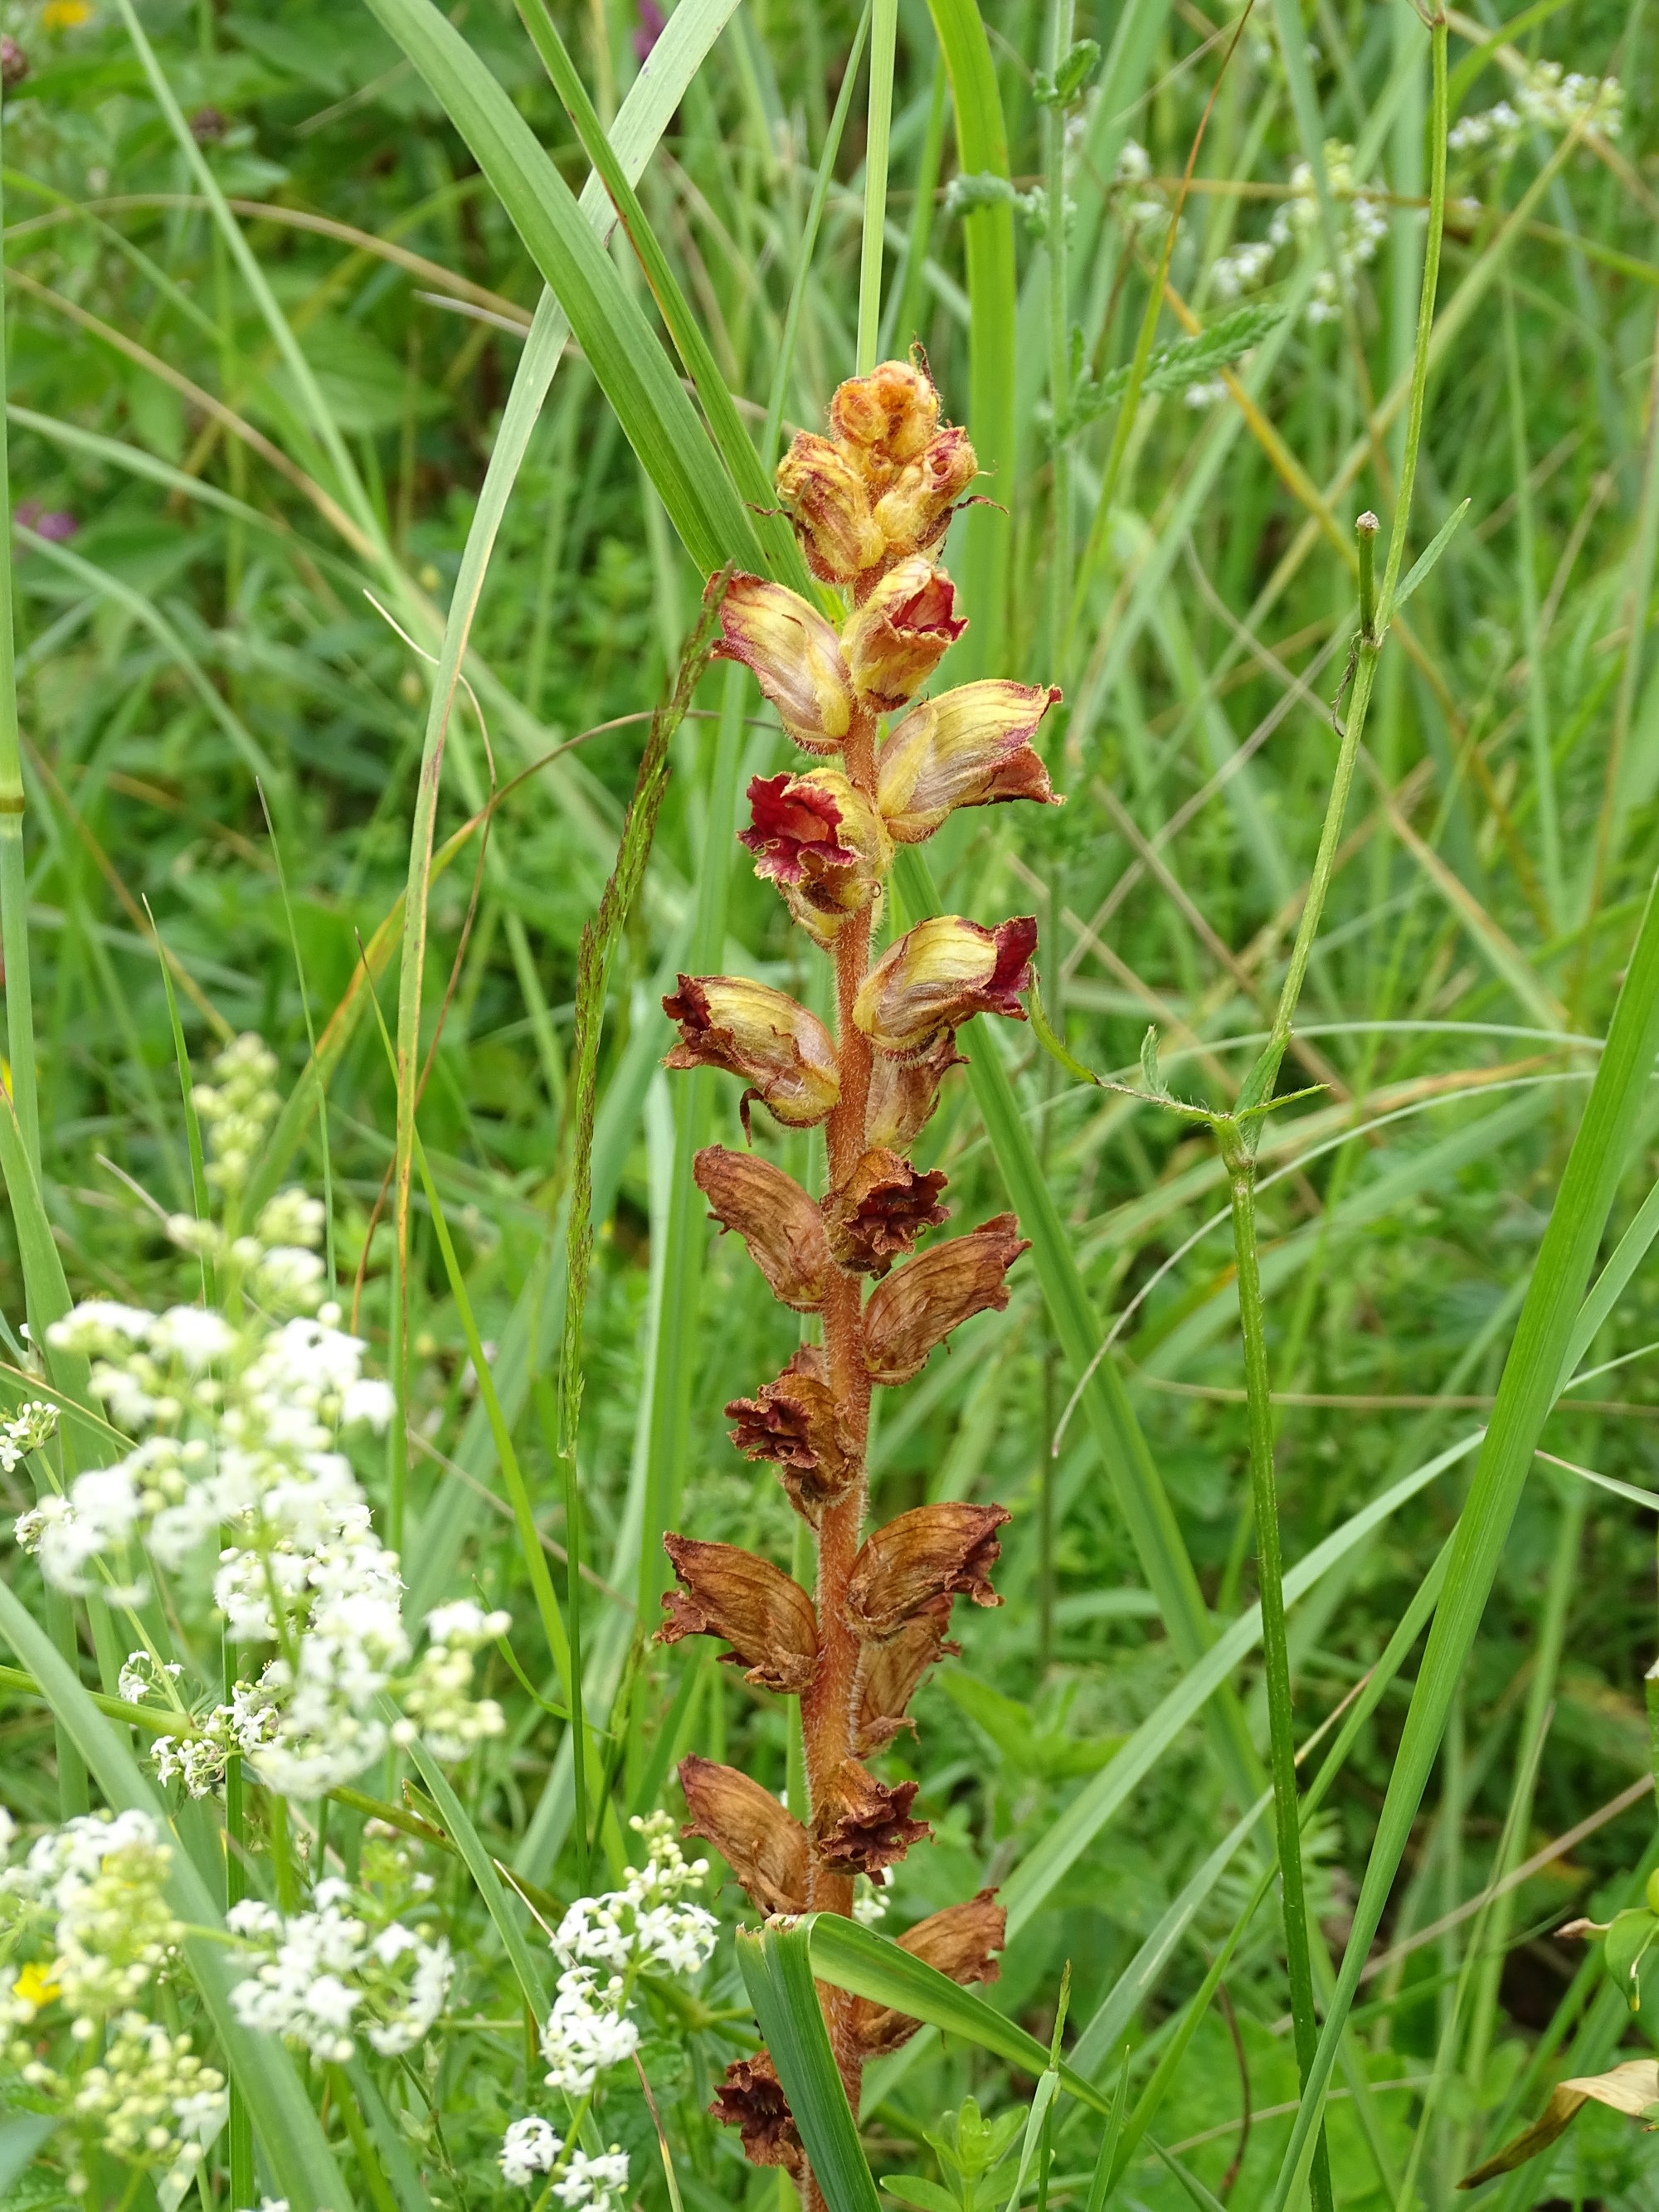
point(871, 504)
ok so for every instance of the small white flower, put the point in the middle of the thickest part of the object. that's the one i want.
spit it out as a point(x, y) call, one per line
point(529, 2148)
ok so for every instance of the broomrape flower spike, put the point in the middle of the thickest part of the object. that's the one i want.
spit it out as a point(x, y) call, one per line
point(870, 502)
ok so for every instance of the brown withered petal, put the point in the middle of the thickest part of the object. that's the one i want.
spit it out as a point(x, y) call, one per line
point(931, 1552)
point(919, 1306)
point(939, 974)
point(962, 1942)
point(904, 1093)
point(764, 1847)
point(825, 496)
point(888, 1673)
point(751, 2099)
point(762, 1612)
point(878, 1213)
point(775, 1219)
point(861, 1824)
point(793, 1422)
point(786, 1054)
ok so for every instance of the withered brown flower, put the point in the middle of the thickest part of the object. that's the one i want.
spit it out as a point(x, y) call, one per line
point(961, 1943)
point(764, 1847)
point(750, 2098)
point(939, 974)
point(930, 1553)
point(904, 1093)
point(919, 1306)
point(915, 513)
point(875, 1216)
point(888, 1671)
point(785, 1053)
point(826, 496)
point(861, 1826)
point(782, 1228)
point(821, 841)
point(765, 1616)
point(796, 1424)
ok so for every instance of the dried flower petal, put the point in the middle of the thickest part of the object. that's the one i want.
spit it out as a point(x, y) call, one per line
point(970, 747)
point(888, 1673)
point(861, 1824)
point(897, 638)
point(917, 1308)
point(762, 1612)
point(878, 1213)
point(962, 1942)
point(765, 1849)
point(939, 974)
point(751, 2099)
point(821, 839)
point(886, 418)
point(796, 657)
point(930, 1553)
point(825, 496)
point(904, 1093)
point(794, 1422)
point(753, 1031)
point(775, 1219)
point(916, 513)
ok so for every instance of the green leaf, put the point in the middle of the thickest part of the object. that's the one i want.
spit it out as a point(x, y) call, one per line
point(926, 2196)
point(777, 1971)
point(1628, 1939)
point(633, 372)
point(482, 1867)
point(1039, 2103)
point(1525, 1393)
point(1423, 565)
point(302, 2164)
point(1130, 1467)
point(24, 2134)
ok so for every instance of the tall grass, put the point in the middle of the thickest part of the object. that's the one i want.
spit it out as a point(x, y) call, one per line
point(486, 315)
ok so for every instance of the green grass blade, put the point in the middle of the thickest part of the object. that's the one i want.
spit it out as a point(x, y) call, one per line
point(458, 1826)
point(777, 1973)
point(883, 39)
point(1525, 1394)
point(294, 2145)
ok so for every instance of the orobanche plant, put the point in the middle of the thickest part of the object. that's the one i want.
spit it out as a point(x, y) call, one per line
point(871, 504)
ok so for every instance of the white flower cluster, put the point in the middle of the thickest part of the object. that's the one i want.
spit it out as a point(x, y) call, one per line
point(1133, 166)
point(1363, 224)
point(325, 1973)
point(89, 1896)
point(1545, 100)
point(33, 1424)
point(530, 2148)
point(242, 1418)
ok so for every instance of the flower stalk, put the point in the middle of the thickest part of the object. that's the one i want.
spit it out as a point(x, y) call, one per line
point(871, 504)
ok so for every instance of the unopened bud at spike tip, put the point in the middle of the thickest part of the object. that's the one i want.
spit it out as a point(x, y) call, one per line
point(825, 496)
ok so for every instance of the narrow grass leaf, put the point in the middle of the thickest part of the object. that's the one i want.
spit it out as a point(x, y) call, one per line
point(777, 1973)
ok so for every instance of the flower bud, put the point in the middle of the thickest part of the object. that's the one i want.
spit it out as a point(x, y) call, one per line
point(781, 1051)
point(938, 976)
point(782, 1228)
point(796, 657)
point(822, 839)
point(765, 1849)
point(751, 2099)
point(904, 1093)
point(796, 1424)
point(961, 1943)
point(897, 638)
point(13, 64)
point(861, 1826)
point(917, 1308)
point(930, 1553)
point(916, 513)
point(886, 418)
point(970, 747)
point(888, 1673)
point(826, 498)
point(878, 1213)
point(765, 1616)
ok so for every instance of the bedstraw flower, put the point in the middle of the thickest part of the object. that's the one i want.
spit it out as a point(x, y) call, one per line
point(781, 1227)
point(939, 975)
point(784, 1054)
point(796, 657)
point(920, 1305)
point(970, 747)
point(765, 1616)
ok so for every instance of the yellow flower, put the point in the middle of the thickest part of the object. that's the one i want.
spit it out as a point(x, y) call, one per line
point(34, 1986)
point(65, 15)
